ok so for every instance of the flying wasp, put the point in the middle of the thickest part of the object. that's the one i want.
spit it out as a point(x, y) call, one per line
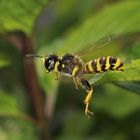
point(73, 66)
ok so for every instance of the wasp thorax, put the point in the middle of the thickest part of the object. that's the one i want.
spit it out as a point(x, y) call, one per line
point(50, 62)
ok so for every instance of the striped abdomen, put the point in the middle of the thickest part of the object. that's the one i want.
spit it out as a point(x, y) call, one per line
point(103, 64)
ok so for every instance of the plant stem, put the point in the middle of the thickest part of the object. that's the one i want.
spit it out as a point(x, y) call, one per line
point(24, 43)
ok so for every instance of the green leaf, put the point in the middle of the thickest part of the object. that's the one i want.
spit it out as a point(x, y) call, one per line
point(15, 128)
point(130, 85)
point(8, 105)
point(118, 19)
point(4, 63)
point(60, 17)
point(131, 73)
point(116, 101)
point(19, 15)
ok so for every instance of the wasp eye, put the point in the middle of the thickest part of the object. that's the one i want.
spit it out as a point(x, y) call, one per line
point(50, 62)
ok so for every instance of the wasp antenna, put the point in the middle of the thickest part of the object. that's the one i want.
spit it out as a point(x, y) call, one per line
point(33, 55)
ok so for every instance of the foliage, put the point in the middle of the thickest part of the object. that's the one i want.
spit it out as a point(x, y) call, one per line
point(19, 15)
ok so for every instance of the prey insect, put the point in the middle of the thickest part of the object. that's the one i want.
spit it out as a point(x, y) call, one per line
point(73, 66)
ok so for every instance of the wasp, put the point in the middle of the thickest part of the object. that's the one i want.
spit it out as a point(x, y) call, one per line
point(73, 66)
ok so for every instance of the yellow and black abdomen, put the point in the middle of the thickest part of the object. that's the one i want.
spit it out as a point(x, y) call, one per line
point(103, 64)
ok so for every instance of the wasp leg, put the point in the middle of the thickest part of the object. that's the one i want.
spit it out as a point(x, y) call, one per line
point(89, 90)
point(76, 82)
point(121, 69)
point(57, 77)
point(87, 101)
point(56, 69)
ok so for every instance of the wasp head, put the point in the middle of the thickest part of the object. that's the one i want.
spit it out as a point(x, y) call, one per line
point(50, 62)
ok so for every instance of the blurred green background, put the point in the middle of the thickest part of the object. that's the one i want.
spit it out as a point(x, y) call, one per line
point(33, 105)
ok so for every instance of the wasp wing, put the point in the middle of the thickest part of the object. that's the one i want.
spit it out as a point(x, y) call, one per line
point(102, 47)
point(96, 77)
point(92, 46)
